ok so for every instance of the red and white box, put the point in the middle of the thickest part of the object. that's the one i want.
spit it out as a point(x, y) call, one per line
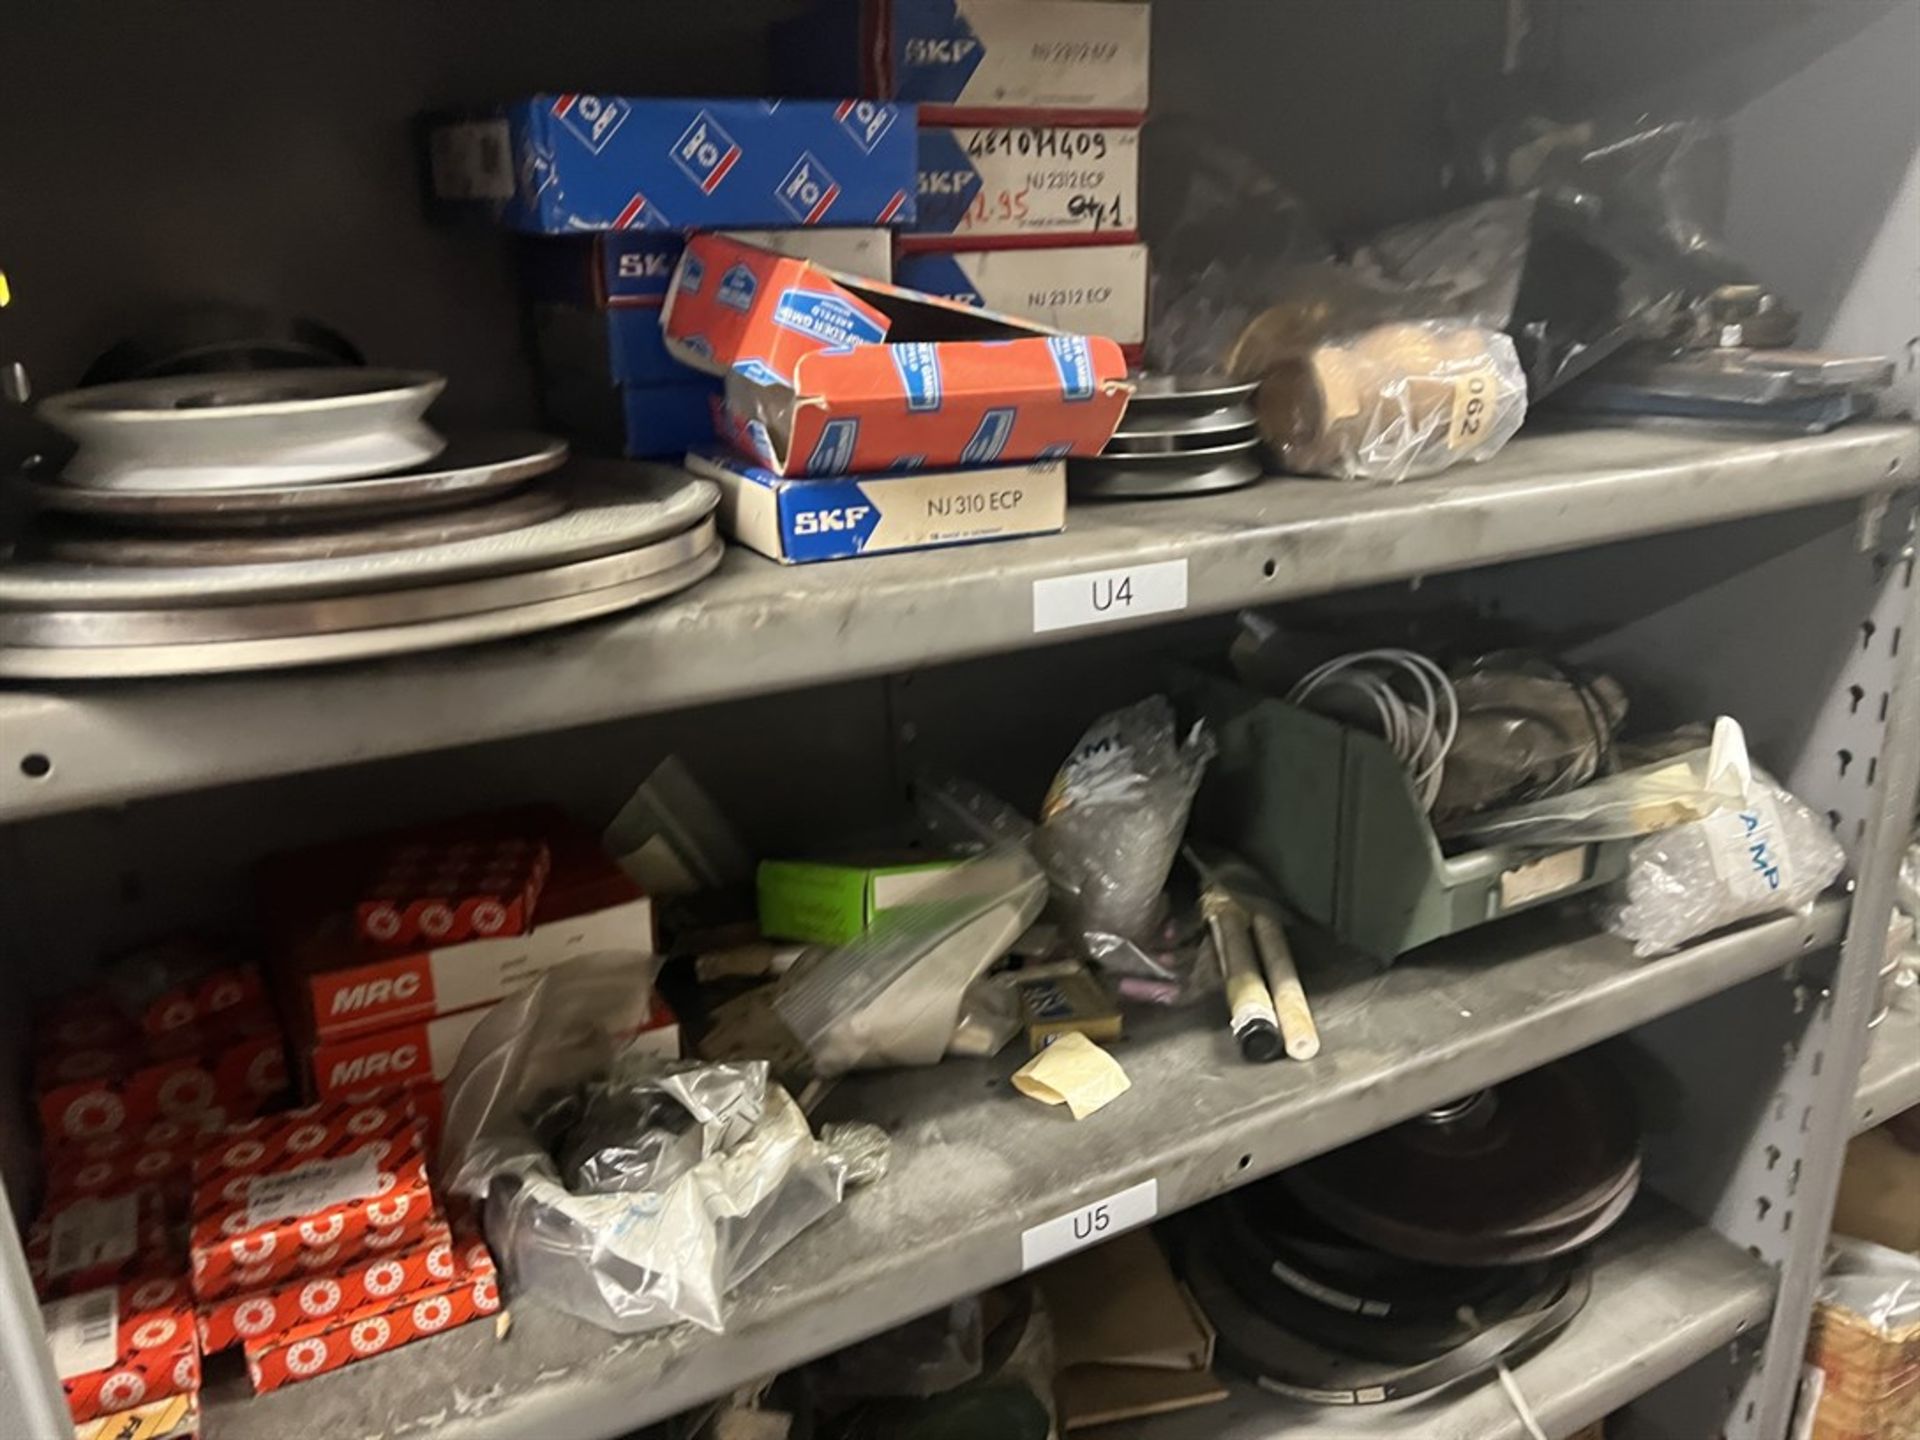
point(116, 1163)
point(306, 1192)
point(121, 1346)
point(175, 1418)
point(432, 894)
point(471, 1291)
point(370, 1280)
point(156, 990)
point(340, 985)
point(201, 1076)
point(86, 1242)
point(424, 1053)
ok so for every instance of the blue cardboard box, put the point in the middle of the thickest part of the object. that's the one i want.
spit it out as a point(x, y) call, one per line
point(606, 162)
point(797, 521)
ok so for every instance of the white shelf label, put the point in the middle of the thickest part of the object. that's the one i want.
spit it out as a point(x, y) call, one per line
point(1097, 597)
point(1093, 1222)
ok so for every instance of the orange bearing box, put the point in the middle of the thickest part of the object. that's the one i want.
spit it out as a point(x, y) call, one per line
point(175, 1418)
point(337, 984)
point(117, 1164)
point(314, 1348)
point(371, 1280)
point(440, 894)
point(120, 1346)
point(304, 1193)
point(85, 1242)
point(199, 1075)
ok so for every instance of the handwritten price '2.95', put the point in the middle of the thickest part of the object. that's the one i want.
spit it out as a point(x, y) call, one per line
point(999, 209)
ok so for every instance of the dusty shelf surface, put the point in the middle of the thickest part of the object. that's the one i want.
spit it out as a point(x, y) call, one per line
point(975, 1165)
point(1890, 1079)
point(755, 627)
point(1666, 1293)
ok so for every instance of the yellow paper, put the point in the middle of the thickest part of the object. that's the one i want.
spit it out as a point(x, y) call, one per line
point(1075, 1072)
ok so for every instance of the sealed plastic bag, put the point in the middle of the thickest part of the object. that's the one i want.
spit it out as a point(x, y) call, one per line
point(598, 1199)
point(1113, 820)
point(894, 995)
point(1529, 728)
point(1394, 402)
point(1640, 801)
point(1865, 1341)
point(1768, 855)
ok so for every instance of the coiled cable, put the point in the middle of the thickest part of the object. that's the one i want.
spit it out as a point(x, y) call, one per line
point(1408, 695)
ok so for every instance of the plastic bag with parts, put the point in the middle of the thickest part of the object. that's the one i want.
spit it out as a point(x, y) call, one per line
point(1768, 855)
point(1112, 823)
point(894, 995)
point(639, 1223)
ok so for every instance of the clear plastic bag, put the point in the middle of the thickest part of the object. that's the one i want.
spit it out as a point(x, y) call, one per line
point(1394, 402)
point(1529, 728)
point(674, 1231)
point(894, 996)
point(1768, 855)
point(1864, 1337)
point(1113, 821)
point(1620, 807)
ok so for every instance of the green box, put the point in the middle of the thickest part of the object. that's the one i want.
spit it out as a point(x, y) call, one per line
point(830, 903)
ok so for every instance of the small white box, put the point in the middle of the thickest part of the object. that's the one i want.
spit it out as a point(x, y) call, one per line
point(1080, 289)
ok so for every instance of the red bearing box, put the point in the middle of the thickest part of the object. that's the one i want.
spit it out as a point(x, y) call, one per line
point(471, 1291)
point(86, 1242)
point(264, 1314)
point(175, 1418)
point(116, 1164)
point(200, 1076)
point(121, 1346)
point(337, 984)
point(441, 894)
point(306, 1192)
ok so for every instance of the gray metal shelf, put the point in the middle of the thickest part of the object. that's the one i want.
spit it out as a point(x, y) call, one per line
point(975, 1165)
point(755, 627)
point(1890, 1080)
point(1666, 1292)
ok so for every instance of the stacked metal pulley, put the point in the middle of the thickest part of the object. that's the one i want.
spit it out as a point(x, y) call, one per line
point(1425, 1255)
point(1181, 435)
point(261, 519)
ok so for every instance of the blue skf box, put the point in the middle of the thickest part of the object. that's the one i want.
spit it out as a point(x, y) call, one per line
point(607, 162)
point(634, 267)
point(796, 521)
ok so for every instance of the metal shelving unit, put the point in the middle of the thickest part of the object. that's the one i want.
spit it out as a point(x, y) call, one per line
point(974, 1167)
point(1666, 1293)
point(1890, 1080)
point(756, 628)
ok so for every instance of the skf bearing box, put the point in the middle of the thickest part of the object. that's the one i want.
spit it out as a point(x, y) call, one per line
point(275, 1310)
point(338, 985)
point(123, 1345)
point(451, 1294)
point(199, 1076)
point(82, 1242)
point(409, 1056)
point(607, 162)
point(306, 1192)
point(974, 60)
point(797, 521)
point(1026, 185)
point(641, 422)
point(633, 267)
point(1082, 289)
point(833, 375)
point(463, 890)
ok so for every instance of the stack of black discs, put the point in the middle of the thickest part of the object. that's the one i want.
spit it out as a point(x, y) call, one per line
point(1425, 1255)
